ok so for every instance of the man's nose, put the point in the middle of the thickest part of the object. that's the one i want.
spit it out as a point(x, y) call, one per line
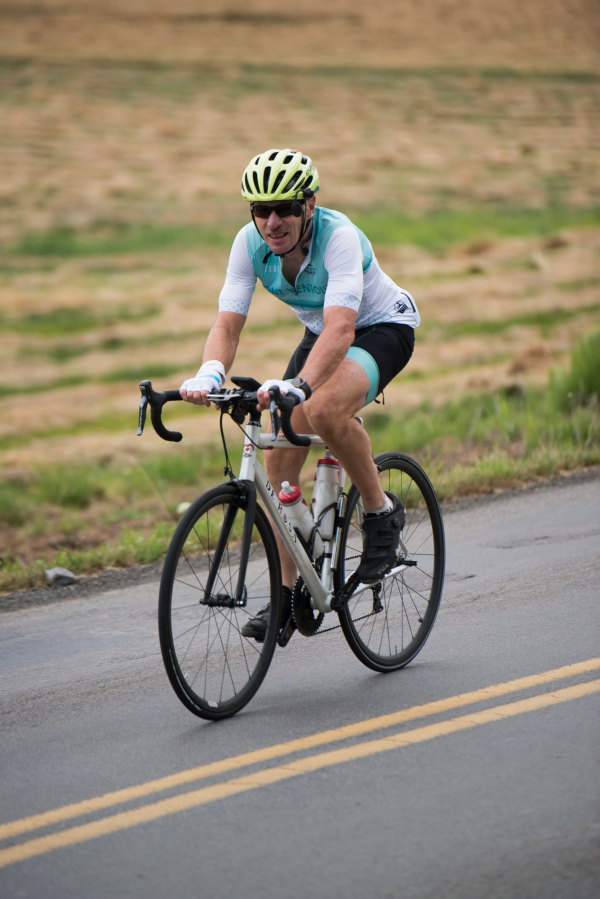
point(274, 221)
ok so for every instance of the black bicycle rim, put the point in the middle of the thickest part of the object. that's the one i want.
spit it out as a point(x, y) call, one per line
point(387, 631)
point(213, 668)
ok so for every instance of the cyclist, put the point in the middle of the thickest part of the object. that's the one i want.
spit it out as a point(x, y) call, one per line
point(359, 333)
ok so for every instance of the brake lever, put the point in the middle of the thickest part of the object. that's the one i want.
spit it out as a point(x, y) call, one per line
point(143, 411)
point(275, 395)
point(156, 401)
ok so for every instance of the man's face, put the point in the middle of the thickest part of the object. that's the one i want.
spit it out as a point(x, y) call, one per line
point(280, 233)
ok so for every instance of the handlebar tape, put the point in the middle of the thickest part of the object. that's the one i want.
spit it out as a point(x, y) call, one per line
point(156, 401)
point(286, 407)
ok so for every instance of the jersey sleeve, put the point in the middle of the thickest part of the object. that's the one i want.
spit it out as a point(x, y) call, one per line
point(343, 262)
point(240, 279)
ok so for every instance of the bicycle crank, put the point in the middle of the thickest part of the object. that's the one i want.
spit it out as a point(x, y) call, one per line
point(307, 620)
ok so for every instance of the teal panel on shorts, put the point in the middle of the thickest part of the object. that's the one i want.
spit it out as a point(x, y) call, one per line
point(366, 361)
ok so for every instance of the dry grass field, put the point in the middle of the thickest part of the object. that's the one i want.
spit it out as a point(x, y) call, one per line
point(464, 141)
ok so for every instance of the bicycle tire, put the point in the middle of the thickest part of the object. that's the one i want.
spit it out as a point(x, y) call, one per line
point(389, 638)
point(212, 667)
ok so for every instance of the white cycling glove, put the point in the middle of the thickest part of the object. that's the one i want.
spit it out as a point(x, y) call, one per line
point(211, 375)
point(285, 387)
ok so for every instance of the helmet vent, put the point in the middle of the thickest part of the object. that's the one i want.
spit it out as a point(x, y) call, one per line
point(273, 155)
point(256, 184)
point(248, 184)
point(266, 177)
point(304, 160)
point(292, 182)
point(287, 160)
point(278, 180)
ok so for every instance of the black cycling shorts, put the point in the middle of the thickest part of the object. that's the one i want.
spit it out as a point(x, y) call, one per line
point(382, 350)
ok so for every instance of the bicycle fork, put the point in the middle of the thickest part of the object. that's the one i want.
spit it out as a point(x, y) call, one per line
point(248, 490)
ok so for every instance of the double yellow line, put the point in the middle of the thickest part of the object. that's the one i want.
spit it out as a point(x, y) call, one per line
point(267, 776)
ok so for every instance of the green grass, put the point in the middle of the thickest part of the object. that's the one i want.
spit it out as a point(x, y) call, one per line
point(144, 373)
point(107, 423)
point(75, 486)
point(132, 376)
point(579, 284)
point(435, 231)
point(132, 549)
point(580, 386)
point(112, 239)
point(63, 352)
point(520, 435)
point(439, 229)
point(62, 321)
point(544, 319)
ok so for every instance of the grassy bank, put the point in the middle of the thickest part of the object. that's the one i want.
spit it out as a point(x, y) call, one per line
point(477, 444)
point(435, 231)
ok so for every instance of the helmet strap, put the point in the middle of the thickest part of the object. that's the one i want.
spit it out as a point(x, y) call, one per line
point(305, 235)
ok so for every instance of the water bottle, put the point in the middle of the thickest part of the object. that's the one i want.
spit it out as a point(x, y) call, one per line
point(297, 513)
point(326, 490)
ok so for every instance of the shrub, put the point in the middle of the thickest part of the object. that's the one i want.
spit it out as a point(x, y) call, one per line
point(69, 486)
point(581, 385)
point(14, 507)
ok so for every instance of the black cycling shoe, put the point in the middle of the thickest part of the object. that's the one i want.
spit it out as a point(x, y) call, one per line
point(257, 626)
point(382, 534)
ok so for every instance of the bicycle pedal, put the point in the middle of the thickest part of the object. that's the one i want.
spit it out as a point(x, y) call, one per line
point(286, 632)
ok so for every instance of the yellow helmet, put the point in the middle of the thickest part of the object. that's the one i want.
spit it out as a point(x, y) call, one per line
point(279, 175)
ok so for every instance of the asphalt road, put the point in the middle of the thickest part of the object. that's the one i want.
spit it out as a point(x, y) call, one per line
point(494, 794)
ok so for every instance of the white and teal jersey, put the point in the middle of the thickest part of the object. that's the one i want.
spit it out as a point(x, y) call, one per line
point(340, 270)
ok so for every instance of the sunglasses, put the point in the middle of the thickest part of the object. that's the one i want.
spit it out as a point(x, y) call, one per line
point(284, 210)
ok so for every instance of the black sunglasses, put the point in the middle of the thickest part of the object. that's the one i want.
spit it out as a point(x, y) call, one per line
point(284, 210)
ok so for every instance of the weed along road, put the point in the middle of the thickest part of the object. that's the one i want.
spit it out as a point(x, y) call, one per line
point(473, 772)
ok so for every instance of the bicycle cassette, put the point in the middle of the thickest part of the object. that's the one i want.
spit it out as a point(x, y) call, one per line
point(307, 620)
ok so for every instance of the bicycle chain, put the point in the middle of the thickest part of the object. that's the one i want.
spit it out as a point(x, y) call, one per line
point(336, 626)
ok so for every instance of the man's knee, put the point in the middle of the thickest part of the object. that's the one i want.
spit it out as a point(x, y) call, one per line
point(325, 415)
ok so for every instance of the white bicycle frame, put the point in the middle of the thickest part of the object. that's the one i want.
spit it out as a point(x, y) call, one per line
point(320, 589)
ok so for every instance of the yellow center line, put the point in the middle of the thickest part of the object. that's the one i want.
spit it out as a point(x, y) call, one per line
point(75, 810)
point(195, 798)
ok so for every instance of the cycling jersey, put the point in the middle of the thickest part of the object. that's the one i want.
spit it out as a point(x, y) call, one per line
point(340, 270)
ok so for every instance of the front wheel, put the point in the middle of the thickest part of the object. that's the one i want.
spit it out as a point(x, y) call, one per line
point(386, 628)
point(213, 668)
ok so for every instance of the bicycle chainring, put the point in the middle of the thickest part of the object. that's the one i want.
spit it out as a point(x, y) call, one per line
point(307, 620)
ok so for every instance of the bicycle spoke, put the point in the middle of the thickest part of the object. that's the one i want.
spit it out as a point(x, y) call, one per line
point(215, 668)
point(389, 638)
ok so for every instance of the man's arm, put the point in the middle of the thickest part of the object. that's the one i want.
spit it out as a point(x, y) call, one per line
point(221, 345)
point(224, 337)
point(332, 345)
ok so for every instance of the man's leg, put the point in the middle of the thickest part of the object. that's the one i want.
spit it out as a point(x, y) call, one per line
point(331, 412)
point(281, 465)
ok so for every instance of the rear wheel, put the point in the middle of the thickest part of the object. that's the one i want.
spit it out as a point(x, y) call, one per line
point(387, 626)
point(212, 667)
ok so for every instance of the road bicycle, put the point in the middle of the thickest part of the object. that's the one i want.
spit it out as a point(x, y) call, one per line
point(222, 566)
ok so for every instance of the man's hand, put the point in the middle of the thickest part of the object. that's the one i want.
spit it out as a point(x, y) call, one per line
point(264, 400)
point(211, 376)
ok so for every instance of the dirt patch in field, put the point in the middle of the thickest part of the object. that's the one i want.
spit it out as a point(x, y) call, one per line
point(533, 34)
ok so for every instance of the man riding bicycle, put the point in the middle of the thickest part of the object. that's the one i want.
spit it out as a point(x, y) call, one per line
point(359, 334)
